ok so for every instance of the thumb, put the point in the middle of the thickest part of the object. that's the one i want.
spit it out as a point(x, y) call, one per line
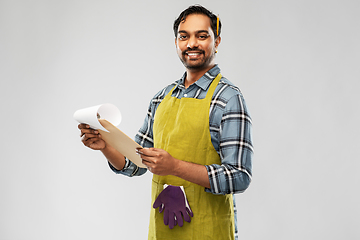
point(157, 202)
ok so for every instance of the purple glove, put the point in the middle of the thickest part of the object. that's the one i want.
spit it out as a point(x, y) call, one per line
point(173, 200)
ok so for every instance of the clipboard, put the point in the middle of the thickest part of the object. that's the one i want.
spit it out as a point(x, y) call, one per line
point(121, 142)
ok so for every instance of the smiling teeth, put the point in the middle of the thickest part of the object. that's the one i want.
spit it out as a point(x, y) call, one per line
point(193, 54)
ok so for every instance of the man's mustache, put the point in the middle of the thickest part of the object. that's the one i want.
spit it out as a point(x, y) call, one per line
point(192, 49)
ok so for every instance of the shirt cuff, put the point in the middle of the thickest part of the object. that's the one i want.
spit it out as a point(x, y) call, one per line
point(126, 166)
point(211, 180)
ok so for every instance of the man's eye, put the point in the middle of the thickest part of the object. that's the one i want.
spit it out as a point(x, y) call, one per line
point(203, 36)
point(182, 37)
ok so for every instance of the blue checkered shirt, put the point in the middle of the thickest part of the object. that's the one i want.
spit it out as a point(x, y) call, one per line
point(230, 130)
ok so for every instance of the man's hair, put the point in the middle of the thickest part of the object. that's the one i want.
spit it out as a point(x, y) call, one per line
point(198, 9)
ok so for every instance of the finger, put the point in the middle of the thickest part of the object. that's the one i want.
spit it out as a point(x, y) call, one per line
point(89, 141)
point(83, 125)
point(157, 203)
point(84, 138)
point(166, 217)
point(91, 135)
point(146, 163)
point(187, 216)
point(171, 220)
point(179, 219)
point(188, 210)
point(161, 208)
point(146, 160)
point(89, 130)
point(150, 152)
point(142, 153)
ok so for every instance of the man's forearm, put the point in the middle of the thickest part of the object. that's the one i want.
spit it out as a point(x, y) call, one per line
point(192, 172)
point(115, 158)
point(160, 162)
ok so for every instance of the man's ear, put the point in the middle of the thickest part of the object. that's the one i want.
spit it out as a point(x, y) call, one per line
point(217, 41)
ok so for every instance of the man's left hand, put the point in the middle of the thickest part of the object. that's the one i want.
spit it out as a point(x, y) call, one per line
point(158, 161)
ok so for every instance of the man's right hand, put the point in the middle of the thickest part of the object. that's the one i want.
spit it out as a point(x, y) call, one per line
point(91, 137)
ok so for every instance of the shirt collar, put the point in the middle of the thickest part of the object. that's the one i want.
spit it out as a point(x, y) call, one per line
point(203, 82)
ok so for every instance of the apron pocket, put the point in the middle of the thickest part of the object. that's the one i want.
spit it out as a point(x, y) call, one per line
point(158, 229)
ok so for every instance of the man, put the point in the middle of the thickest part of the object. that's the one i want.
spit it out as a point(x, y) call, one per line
point(197, 135)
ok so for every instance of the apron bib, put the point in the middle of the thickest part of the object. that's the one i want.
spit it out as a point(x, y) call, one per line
point(181, 127)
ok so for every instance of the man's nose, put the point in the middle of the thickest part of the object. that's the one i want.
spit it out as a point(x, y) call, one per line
point(192, 42)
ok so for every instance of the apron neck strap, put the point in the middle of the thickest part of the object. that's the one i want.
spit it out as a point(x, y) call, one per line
point(213, 86)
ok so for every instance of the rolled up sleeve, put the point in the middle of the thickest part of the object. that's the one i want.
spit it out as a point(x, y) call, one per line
point(235, 149)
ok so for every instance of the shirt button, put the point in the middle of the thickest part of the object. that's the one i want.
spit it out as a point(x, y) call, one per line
point(185, 95)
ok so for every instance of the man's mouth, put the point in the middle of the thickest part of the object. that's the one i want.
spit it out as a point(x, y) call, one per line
point(193, 55)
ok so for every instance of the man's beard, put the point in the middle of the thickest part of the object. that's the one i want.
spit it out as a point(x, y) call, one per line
point(205, 61)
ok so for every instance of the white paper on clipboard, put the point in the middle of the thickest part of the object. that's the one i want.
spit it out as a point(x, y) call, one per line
point(90, 115)
point(103, 117)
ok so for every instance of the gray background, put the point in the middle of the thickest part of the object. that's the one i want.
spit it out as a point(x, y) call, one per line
point(297, 63)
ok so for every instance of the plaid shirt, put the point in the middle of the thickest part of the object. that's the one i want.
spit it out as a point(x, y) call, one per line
point(230, 130)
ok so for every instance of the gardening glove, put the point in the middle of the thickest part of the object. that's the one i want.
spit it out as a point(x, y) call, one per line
point(172, 200)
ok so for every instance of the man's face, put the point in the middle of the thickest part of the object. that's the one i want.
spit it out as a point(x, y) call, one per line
point(195, 43)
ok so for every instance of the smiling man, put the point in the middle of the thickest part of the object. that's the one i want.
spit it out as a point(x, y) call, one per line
point(196, 44)
point(197, 141)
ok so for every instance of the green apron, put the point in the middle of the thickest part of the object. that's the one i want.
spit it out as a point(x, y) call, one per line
point(181, 127)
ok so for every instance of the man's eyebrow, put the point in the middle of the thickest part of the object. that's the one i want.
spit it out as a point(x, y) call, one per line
point(197, 32)
point(202, 31)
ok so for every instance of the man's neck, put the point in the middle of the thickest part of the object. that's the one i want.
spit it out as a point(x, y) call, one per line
point(194, 75)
